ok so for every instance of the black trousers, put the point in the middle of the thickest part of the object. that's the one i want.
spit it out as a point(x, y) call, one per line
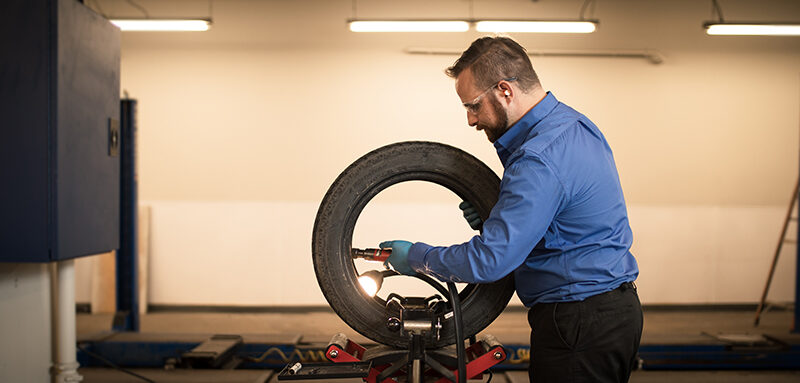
point(595, 340)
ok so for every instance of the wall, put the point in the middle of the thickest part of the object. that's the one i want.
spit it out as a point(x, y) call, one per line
point(244, 127)
point(25, 323)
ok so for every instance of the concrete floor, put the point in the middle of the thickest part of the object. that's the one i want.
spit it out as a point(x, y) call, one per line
point(244, 376)
point(662, 327)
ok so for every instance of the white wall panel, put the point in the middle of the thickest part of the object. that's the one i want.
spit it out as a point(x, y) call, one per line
point(256, 253)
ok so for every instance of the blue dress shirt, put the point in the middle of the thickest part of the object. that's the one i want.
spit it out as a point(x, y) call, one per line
point(560, 223)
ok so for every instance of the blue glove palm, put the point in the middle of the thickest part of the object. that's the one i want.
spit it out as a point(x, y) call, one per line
point(399, 257)
point(471, 215)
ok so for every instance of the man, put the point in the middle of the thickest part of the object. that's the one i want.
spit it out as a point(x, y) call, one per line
point(560, 223)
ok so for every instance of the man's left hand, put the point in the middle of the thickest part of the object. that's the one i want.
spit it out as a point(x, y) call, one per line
point(471, 215)
point(399, 257)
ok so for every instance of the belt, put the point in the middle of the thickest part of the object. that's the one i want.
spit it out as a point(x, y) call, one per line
point(626, 286)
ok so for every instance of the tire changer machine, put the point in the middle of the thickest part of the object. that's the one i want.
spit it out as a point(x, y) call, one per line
point(416, 319)
point(415, 335)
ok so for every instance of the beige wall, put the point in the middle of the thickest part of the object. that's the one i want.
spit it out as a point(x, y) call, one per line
point(262, 113)
point(26, 353)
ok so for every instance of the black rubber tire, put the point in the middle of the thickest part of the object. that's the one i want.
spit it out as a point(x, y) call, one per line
point(456, 170)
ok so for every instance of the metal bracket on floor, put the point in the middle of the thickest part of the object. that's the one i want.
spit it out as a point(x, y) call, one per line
point(217, 352)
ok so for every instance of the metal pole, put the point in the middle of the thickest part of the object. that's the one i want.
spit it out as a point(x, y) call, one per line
point(416, 368)
point(796, 326)
point(127, 317)
point(416, 354)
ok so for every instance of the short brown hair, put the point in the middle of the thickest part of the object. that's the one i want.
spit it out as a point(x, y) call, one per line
point(493, 59)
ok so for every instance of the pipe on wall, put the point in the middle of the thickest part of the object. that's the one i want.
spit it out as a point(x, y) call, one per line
point(653, 57)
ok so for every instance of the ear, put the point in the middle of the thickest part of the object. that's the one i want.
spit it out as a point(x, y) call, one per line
point(505, 88)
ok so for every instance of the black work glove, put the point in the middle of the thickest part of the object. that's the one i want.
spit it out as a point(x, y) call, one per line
point(471, 215)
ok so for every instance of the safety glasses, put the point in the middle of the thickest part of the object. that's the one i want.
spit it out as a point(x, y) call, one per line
point(475, 105)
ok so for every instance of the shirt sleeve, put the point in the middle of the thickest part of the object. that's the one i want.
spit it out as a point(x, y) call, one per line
point(530, 197)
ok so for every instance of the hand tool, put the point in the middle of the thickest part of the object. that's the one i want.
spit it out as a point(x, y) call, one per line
point(376, 255)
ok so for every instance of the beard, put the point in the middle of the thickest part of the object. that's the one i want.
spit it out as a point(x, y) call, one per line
point(496, 130)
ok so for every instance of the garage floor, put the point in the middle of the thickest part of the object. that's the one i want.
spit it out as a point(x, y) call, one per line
point(661, 327)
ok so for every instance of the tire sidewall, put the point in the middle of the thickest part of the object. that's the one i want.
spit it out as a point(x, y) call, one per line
point(445, 165)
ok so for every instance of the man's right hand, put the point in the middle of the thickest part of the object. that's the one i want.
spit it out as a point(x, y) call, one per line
point(471, 215)
point(399, 257)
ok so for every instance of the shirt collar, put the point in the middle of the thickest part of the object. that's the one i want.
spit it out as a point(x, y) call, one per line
point(512, 139)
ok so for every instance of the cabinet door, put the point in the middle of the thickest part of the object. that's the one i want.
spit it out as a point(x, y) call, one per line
point(59, 182)
point(88, 166)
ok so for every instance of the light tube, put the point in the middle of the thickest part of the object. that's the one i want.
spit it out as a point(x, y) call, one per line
point(753, 29)
point(408, 26)
point(162, 25)
point(536, 26)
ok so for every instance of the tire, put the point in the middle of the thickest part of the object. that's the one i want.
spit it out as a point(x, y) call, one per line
point(452, 168)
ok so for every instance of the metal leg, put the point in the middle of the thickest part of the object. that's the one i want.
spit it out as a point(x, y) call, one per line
point(66, 364)
point(416, 371)
point(416, 356)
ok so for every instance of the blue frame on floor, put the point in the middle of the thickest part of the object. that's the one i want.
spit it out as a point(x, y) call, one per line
point(718, 357)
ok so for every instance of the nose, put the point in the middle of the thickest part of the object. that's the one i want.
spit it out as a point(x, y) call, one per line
point(472, 120)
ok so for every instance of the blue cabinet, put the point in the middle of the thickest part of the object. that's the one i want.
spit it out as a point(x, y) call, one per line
point(59, 131)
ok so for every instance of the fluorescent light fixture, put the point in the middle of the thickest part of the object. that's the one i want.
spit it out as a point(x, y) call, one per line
point(536, 26)
point(162, 25)
point(408, 26)
point(530, 26)
point(756, 29)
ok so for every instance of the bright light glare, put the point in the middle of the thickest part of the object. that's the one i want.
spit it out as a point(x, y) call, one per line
point(369, 285)
point(409, 26)
point(162, 25)
point(536, 26)
point(753, 29)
